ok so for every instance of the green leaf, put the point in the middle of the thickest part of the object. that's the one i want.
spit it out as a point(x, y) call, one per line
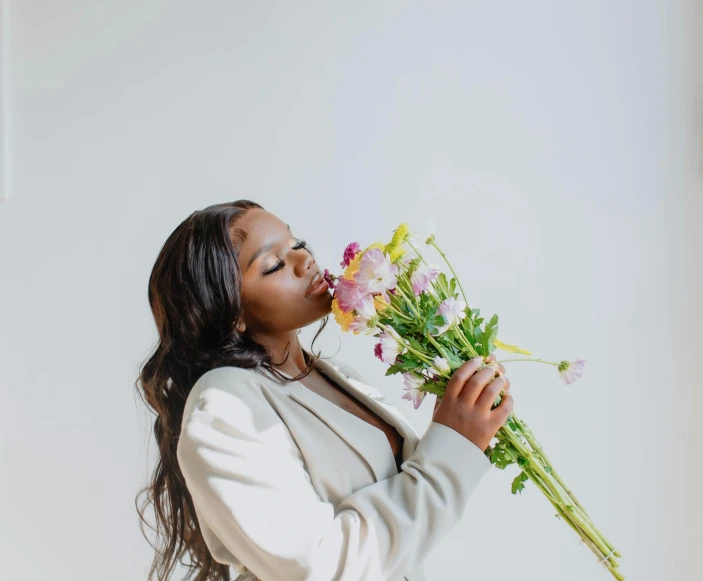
point(433, 323)
point(518, 483)
point(442, 282)
point(415, 344)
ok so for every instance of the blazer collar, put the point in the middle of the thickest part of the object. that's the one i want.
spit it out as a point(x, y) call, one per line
point(368, 440)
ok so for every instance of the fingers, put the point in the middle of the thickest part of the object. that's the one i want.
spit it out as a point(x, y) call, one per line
point(503, 409)
point(490, 392)
point(491, 358)
point(458, 380)
point(476, 384)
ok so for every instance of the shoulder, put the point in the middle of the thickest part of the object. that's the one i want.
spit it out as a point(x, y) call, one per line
point(225, 393)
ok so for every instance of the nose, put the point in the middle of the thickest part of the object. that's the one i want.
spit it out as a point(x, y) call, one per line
point(308, 263)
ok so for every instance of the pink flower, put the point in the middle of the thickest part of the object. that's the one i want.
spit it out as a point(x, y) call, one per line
point(453, 311)
point(421, 277)
point(349, 253)
point(412, 383)
point(351, 296)
point(570, 371)
point(387, 349)
point(377, 273)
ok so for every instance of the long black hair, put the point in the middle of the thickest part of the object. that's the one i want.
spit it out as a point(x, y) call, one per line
point(195, 299)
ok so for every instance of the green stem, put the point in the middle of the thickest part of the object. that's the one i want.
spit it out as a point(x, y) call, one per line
point(444, 256)
point(535, 359)
point(399, 312)
point(536, 446)
point(535, 464)
point(415, 352)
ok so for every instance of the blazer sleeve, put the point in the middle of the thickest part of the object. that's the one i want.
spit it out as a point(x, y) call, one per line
point(249, 481)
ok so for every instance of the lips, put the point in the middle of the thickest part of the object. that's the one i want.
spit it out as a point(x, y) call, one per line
point(316, 280)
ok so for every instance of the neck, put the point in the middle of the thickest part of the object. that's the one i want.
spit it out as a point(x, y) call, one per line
point(277, 349)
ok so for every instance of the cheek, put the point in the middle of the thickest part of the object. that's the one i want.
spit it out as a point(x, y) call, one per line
point(270, 301)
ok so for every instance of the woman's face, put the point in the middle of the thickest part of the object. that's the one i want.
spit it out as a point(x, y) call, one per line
point(276, 275)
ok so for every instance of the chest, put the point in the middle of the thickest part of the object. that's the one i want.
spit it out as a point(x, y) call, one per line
point(328, 389)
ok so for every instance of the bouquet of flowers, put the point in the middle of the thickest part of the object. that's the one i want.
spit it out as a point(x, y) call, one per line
point(426, 331)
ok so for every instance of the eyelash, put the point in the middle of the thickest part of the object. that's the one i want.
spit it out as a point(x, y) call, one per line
point(279, 265)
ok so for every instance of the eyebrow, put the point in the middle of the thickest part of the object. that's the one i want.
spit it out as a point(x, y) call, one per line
point(264, 248)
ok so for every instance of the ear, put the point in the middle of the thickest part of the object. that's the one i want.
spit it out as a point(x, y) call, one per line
point(239, 325)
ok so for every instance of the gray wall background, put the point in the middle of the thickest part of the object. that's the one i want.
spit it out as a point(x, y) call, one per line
point(557, 145)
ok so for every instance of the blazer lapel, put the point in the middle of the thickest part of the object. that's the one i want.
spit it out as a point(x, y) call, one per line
point(360, 435)
point(369, 441)
point(375, 401)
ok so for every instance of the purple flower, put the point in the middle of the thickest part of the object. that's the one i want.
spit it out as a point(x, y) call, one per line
point(570, 371)
point(421, 277)
point(328, 277)
point(349, 253)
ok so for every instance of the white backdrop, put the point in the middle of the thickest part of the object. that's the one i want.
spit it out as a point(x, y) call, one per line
point(558, 146)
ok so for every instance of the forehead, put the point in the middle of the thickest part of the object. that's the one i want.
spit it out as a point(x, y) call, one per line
point(255, 233)
point(259, 227)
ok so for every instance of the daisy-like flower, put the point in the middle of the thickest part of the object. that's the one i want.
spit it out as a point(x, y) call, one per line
point(349, 253)
point(421, 278)
point(413, 393)
point(453, 311)
point(361, 325)
point(352, 296)
point(387, 349)
point(376, 273)
point(570, 371)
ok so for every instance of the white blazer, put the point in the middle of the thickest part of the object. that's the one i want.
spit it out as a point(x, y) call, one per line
point(288, 486)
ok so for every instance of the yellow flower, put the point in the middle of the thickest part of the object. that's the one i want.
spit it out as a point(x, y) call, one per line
point(379, 245)
point(511, 348)
point(342, 318)
point(353, 267)
point(394, 249)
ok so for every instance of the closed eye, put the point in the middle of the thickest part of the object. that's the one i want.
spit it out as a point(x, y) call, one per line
point(280, 264)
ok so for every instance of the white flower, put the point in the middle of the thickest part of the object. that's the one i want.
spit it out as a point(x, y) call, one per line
point(376, 274)
point(412, 383)
point(387, 349)
point(418, 239)
point(570, 371)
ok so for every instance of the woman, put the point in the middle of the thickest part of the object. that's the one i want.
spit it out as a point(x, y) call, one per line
point(273, 461)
